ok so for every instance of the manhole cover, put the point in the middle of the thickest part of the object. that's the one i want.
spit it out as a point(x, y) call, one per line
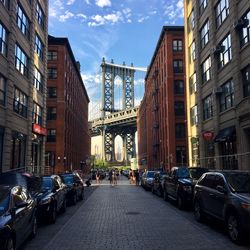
point(132, 213)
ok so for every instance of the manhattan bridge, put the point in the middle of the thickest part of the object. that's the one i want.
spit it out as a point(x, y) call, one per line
point(116, 121)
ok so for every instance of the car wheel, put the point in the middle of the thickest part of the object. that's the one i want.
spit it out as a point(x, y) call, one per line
point(52, 214)
point(74, 200)
point(165, 195)
point(180, 203)
point(34, 228)
point(198, 212)
point(64, 206)
point(9, 245)
point(81, 197)
point(233, 228)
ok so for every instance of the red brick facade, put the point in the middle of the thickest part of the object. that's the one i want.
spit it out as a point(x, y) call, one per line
point(164, 123)
point(69, 148)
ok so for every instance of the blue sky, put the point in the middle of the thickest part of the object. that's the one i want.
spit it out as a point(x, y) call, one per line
point(123, 30)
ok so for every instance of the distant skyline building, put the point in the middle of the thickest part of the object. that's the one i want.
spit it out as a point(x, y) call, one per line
point(23, 50)
point(162, 114)
point(217, 35)
point(68, 139)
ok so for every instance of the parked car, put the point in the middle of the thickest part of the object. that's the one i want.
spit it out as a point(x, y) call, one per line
point(52, 198)
point(147, 180)
point(75, 187)
point(226, 196)
point(17, 216)
point(157, 187)
point(179, 184)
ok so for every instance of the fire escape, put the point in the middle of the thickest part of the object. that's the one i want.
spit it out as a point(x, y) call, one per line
point(155, 124)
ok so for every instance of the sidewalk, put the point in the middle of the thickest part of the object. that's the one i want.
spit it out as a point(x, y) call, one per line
point(127, 217)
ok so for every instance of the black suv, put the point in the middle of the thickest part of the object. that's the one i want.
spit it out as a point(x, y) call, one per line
point(157, 187)
point(226, 196)
point(52, 198)
point(180, 183)
point(75, 187)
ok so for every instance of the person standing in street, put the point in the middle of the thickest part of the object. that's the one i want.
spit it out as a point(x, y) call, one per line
point(137, 177)
point(110, 176)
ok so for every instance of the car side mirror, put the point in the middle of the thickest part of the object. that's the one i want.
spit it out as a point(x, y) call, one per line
point(221, 189)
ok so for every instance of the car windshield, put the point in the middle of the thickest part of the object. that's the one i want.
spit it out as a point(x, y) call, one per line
point(196, 173)
point(150, 174)
point(47, 183)
point(68, 179)
point(4, 200)
point(183, 173)
point(239, 182)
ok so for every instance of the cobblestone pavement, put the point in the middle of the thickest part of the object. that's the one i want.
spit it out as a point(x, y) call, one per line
point(127, 217)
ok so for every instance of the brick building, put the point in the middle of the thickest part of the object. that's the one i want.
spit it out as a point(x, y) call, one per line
point(217, 36)
point(23, 47)
point(164, 104)
point(68, 139)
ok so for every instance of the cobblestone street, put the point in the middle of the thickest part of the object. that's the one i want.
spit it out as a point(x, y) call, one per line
point(127, 217)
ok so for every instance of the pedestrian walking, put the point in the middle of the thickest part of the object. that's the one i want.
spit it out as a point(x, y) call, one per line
point(110, 177)
point(114, 178)
point(137, 178)
point(97, 177)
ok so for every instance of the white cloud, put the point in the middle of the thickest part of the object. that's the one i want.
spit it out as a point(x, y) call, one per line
point(174, 10)
point(67, 15)
point(70, 2)
point(113, 18)
point(103, 3)
point(87, 2)
point(54, 7)
point(142, 19)
point(82, 17)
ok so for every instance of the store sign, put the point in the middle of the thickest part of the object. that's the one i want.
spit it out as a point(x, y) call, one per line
point(208, 135)
point(39, 130)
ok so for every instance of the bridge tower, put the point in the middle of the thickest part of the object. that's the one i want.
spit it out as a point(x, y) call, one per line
point(127, 133)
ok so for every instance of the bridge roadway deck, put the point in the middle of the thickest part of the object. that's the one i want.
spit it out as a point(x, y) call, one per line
point(127, 217)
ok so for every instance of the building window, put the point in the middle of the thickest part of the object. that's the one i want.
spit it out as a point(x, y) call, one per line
point(180, 130)
point(22, 21)
point(1, 148)
point(207, 107)
point(204, 34)
point(38, 80)
point(178, 87)
point(51, 113)
point(193, 83)
point(226, 53)
point(209, 161)
point(178, 66)
point(206, 70)
point(227, 96)
point(52, 92)
point(52, 55)
point(52, 73)
point(39, 46)
point(2, 90)
point(179, 108)
point(5, 3)
point(21, 61)
point(221, 12)
point(195, 150)
point(203, 5)
point(37, 114)
point(51, 136)
point(3, 40)
point(192, 52)
point(245, 31)
point(18, 150)
point(191, 21)
point(40, 15)
point(194, 115)
point(177, 45)
point(246, 81)
point(181, 156)
point(20, 103)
